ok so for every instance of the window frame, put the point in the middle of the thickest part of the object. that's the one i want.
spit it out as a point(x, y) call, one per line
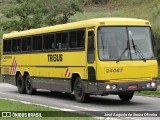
point(78, 48)
point(37, 46)
point(44, 40)
point(16, 44)
point(31, 43)
point(61, 32)
point(3, 46)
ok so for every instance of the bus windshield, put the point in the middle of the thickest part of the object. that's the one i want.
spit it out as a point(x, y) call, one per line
point(125, 43)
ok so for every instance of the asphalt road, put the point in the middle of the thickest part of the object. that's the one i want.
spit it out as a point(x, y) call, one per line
point(96, 103)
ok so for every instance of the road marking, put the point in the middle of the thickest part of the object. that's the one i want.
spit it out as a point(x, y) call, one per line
point(31, 103)
point(13, 95)
point(26, 102)
point(85, 108)
point(57, 108)
point(110, 118)
point(132, 118)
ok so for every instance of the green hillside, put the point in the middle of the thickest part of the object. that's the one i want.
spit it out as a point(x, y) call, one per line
point(142, 9)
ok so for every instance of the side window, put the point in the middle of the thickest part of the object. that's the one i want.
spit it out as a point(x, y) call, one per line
point(48, 42)
point(73, 39)
point(16, 45)
point(26, 44)
point(37, 43)
point(61, 40)
point(64, 40)
point(58, 41)
point(77, 39)
point(80, 38)
point(91, 56)
point(7, 46)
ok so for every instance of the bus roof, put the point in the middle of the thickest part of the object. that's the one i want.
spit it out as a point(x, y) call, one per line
point(81, 24)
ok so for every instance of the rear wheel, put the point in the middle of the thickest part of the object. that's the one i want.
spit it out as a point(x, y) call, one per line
point(29, 85)
point(79, 91)
point(126, 96)
point(21, 84)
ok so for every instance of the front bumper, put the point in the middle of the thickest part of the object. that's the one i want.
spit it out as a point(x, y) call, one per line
point(121, 87)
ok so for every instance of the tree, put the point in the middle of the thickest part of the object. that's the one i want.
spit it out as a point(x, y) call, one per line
point(59, 11)
point(26, 14)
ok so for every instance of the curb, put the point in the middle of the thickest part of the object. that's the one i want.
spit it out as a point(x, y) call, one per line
point(148, 96)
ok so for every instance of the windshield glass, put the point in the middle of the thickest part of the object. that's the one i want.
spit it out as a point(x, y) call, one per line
point(118, 43)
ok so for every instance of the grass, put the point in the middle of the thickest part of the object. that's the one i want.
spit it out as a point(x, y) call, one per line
point(123, 8)
point(6, 105)
point(150, 93)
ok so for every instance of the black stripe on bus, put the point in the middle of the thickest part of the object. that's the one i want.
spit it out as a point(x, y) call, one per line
point(43, 66)
point(45, 51)
point(4, 75)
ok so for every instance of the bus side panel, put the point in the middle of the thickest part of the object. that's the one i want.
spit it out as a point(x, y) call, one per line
point(51, 71)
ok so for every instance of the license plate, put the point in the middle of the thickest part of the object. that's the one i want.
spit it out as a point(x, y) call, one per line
point(132, 87)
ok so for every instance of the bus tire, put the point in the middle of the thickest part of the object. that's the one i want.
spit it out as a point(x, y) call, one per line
point(126, 96)
point(21, 84)
point(79, 93)
point(29, 86)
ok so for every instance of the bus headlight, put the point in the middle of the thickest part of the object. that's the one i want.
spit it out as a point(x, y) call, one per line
point(153, 84)
point(114, 87)
point(108, 87)
point(148, 85)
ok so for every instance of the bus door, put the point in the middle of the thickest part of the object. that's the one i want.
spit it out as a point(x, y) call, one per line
point(92, 86)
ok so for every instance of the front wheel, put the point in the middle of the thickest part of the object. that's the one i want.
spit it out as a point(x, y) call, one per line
point(29, 85)
point(79, 91)
point(126, 96)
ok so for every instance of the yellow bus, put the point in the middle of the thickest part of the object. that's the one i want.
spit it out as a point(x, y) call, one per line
point(93, 57)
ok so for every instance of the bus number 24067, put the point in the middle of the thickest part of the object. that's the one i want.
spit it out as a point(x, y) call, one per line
point(114, 70)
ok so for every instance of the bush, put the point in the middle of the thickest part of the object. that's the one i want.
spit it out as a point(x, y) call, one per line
point(95, 1)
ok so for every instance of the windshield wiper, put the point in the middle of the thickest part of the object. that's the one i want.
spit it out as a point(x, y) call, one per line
point(127, 48)
point(137, 50)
